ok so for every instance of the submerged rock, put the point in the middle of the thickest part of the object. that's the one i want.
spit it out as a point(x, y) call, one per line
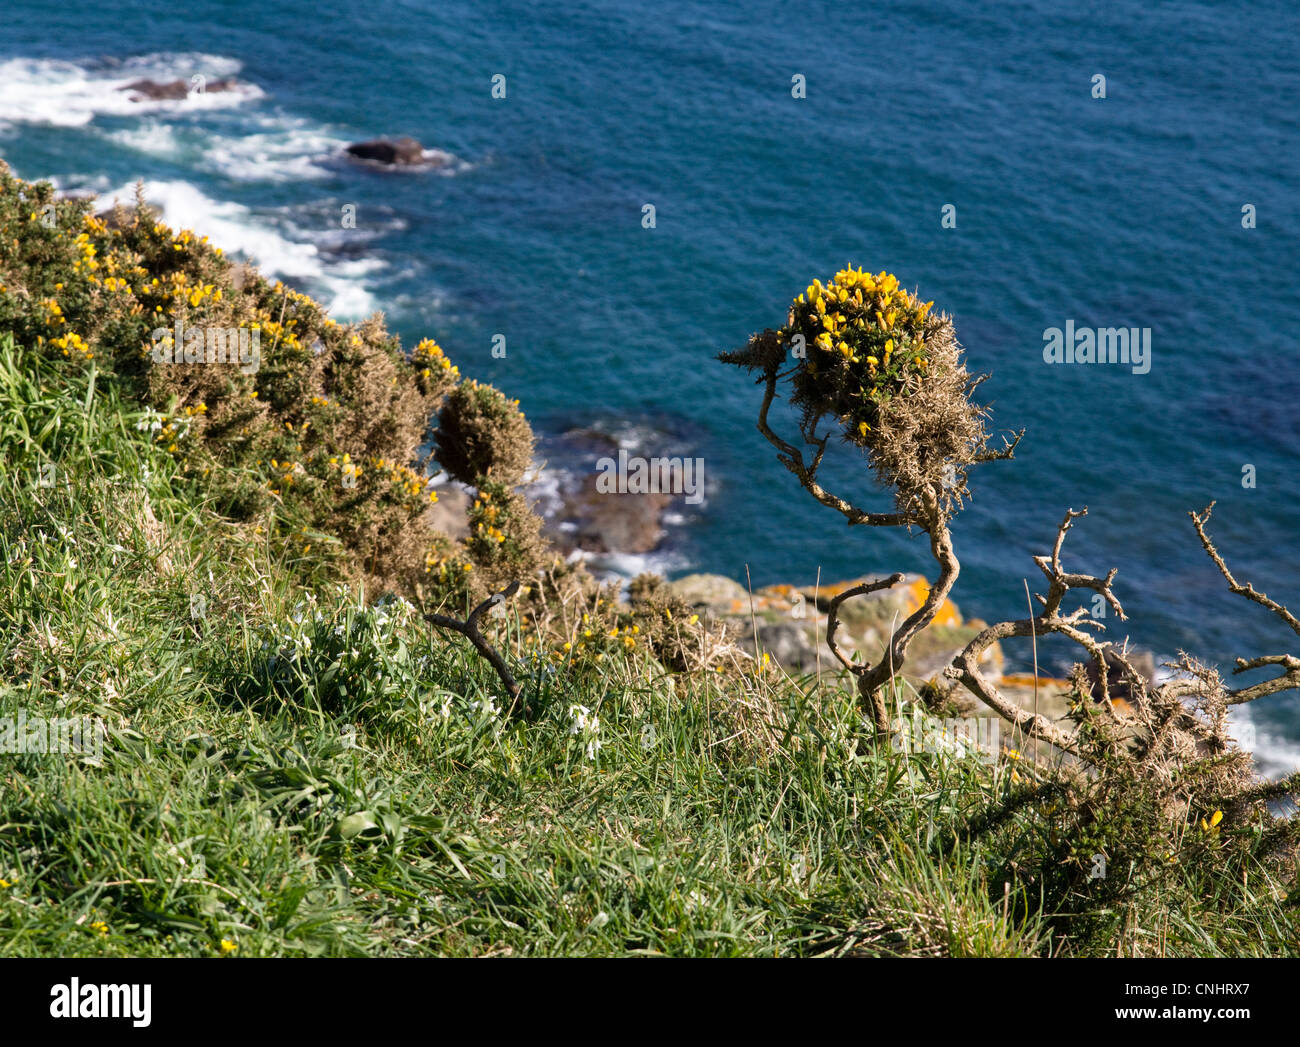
point(579, 516)
point(173, 90)
point(402, 152)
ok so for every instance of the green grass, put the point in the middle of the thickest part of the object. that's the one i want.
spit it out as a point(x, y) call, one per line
point(293, 772)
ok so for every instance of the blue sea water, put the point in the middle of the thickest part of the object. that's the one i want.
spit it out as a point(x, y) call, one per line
point(1122, 211)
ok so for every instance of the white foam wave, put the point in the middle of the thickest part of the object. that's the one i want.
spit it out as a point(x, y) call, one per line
point(609, 566)
point(71, 94)
point(237, 230)
point(283, 150)
point(544, 487)
point(79, 184)
point(152, 138)
point(1275, 756)
point(448, 164)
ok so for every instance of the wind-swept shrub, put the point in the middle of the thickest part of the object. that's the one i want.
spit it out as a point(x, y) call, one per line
point(877, 361)
point(484, 441)
point(1145, 796)
point(871, 357)
point(1136, 797)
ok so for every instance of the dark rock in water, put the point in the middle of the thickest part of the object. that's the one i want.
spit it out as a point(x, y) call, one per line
point(608, 523)
point(589, 442)
point(579, 517)
point(404, 152)
point(1121, 686)
point(173, 91)
point(153, 91)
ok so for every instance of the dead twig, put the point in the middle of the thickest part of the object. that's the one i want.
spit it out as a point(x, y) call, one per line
point(470, 630)
point(1287, 680)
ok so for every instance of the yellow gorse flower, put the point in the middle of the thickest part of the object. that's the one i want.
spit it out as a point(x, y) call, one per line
point(869, 337)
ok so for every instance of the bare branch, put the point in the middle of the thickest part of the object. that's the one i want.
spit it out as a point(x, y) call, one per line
point(965, 667)
point(470, 630)
point(942, 551)
point(1072, 625)
point(792, 459)
point(833, 620)
point(1286, 681)
point(1199, 520)
point(1060, 581)
point(1005, 453)
point(1289, 679)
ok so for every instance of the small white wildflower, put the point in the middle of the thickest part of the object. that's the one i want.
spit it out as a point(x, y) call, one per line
point(488, 705)
point(151, 421)
point(579, 713)
point(587, 727)
point(430, 711)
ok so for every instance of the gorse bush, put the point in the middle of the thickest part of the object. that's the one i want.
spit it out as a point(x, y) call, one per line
point(869, 337)
point(482, 435)
point(1155, 805)
point(1133, 799)
point(873, 357)
point(314, 442)
point(484, 441)
point(314, 439)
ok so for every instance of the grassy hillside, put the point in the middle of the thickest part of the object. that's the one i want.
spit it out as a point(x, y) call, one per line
point(290, 766)
point(288, 771)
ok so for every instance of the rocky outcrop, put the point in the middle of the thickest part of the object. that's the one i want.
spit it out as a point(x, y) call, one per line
point(401, 152)
point(605, 523)
point(788, 623)
point(450, 513)
point(173, 90)
point(579, 517)
point(115, 219)
point(705, 591)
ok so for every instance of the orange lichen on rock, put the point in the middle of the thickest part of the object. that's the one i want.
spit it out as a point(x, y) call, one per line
point(1027, 680)
point(947, 614)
